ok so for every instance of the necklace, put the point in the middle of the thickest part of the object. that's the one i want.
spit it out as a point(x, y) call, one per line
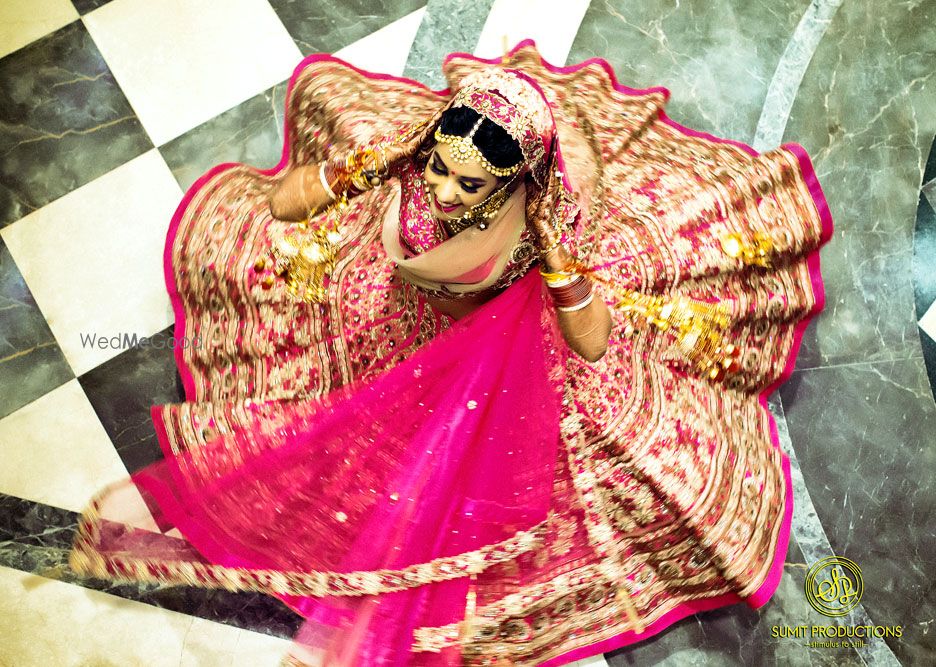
point(454, 225)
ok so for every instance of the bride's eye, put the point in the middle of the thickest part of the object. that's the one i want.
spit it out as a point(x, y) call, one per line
point(437, 167)
point(468, 187)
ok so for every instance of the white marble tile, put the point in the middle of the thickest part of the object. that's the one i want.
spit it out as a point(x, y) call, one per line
point(93, 258)
point(24, 21)
point(928, 321)
point(385, 50)
point(55, 451)
point(182, 62)
point(552, 24)
point(47, 622)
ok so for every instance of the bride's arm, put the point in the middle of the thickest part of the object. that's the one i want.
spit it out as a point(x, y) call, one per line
point(586, 330)
point(300, 192)
point(310, 188)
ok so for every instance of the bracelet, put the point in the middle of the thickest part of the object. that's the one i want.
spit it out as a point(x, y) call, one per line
point(324, 181)
point(578, 306)
point(555, 275)
point(573, 293)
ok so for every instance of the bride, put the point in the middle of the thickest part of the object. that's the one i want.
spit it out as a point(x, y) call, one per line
point(483, 372)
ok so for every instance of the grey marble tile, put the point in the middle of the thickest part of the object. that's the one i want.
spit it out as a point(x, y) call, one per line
point(328, 27)
point(717, 59)
point(85, 6)
point(790, 70)
point(31, 362)
point(869, 311)
point(123, 389)
point(251, 132)
point(864, 113)
point(36, 538)
point(447, 26)
point(64, 121)
point(864, 436)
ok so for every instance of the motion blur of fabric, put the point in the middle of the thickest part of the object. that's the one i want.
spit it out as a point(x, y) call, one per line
point(433, 492)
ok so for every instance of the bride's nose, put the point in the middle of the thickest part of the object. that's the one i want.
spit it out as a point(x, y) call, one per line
point(446, 192)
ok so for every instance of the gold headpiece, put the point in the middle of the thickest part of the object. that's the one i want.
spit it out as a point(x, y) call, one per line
point(463, 150)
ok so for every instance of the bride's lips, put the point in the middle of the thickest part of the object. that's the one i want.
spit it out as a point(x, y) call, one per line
point(444, 209)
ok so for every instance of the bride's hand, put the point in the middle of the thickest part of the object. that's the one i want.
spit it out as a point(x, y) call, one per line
point(299, 194)
point(558, 259)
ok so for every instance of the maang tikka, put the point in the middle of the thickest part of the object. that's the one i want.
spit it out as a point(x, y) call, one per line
point(463, 149)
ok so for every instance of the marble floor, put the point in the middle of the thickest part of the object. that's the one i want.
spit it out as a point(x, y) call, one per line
point(110, 109)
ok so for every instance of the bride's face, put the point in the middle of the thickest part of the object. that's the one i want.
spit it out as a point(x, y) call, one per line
point(453, 187)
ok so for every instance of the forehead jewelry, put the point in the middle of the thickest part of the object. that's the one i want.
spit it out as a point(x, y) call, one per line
point(462, 150)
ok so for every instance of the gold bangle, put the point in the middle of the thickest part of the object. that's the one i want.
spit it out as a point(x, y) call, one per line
point(324, 181)
point(562, 280)
point(555, 275)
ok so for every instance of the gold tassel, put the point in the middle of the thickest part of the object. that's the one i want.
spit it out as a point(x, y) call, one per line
point(698, 326)
point(752, 254)
point(304, 258)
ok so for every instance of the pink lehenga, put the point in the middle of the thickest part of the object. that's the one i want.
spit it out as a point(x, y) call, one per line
point(431, 491)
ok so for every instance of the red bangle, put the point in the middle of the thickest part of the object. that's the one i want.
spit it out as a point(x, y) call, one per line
point(573, 293)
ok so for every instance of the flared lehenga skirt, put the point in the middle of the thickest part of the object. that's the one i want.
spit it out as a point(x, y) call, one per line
point(389, 472)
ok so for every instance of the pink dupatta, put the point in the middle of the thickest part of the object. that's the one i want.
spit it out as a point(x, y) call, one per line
point(403, 486)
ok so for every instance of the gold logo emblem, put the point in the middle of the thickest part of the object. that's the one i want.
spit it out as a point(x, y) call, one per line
point(834, 586)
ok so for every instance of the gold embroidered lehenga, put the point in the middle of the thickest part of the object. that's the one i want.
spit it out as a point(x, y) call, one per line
point(655, 493)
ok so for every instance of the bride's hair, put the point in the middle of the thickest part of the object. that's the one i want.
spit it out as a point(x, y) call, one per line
point(498, 147)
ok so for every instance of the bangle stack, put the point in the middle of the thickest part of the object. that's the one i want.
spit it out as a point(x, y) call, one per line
point(569, 291)
point(355, 173)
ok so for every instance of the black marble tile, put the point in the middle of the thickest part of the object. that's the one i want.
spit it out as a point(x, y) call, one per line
point(85, 6)
point(251, 132)
point(328, 27)
point(31, 362)
point(864, 437)
point(924, 255)
point(123, 389)
point(63, 122)
point(36, 538)
point(929, 172)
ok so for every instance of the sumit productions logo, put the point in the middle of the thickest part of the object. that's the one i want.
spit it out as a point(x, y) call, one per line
point(834, 586)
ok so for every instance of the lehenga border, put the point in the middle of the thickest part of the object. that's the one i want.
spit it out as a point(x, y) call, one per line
point(86, 559)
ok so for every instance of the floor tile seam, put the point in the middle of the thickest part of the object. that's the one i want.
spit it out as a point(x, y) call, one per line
point(852, 364)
